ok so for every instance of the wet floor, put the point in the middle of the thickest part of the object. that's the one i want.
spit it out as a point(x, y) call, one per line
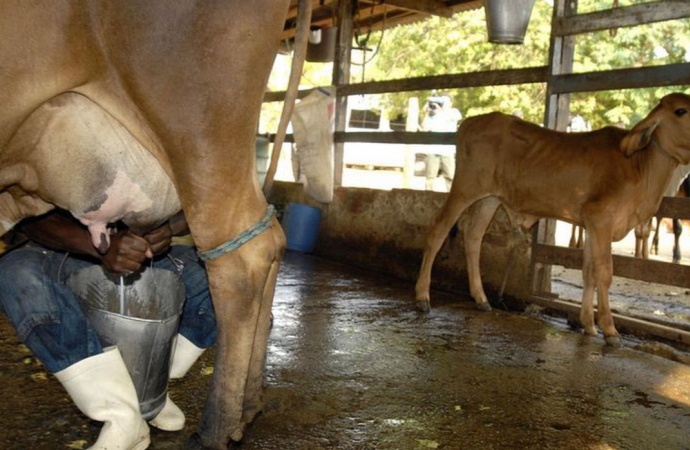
point(352, 365)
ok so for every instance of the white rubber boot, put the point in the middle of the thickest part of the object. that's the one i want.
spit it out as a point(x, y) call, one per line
point(171, 417)
point(103, 390)
point(184, 357)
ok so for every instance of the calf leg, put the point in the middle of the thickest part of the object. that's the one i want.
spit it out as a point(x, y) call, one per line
point(587, 307)
point(449, 214)
point(478, 221)
point(599, 256)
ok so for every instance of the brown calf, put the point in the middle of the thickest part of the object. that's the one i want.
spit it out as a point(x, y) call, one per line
point(607, 181)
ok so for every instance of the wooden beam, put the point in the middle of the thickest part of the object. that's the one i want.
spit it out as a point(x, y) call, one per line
point(625, 324)
point(396, 137)
point(622, 17)
point(434, 7)
point(321, 16)
point(456, 81)
point(623, 266)
point(453, 81)
point(639, 77)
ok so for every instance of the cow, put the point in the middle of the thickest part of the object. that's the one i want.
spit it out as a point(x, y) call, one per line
point(177, 84)
point(607, 181)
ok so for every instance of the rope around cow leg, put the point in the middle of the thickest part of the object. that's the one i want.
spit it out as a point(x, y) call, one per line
point(241, 239)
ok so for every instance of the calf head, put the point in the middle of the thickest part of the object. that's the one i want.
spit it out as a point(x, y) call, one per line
point(667, 126)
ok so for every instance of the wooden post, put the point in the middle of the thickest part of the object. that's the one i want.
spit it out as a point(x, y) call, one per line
point(412, 124)
point(341, 76)
point(561, 55)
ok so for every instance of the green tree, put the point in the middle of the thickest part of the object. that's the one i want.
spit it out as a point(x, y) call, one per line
point(459, 45)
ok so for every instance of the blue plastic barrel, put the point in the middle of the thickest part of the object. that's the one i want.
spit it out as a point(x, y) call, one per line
point(301, 226)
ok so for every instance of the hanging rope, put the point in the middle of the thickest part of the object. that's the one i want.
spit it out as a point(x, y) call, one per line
point(363, 41)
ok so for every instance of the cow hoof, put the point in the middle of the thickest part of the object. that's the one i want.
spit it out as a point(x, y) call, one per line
point(251, 412)
point(590, 331)
point(613, 341)
point(423, 305)
point(484, 306)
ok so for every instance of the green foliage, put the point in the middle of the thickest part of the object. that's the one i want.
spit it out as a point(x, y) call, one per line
point(441, 46)
point(459, 44)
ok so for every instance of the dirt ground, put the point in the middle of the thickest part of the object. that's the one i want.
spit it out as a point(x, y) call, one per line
point(352, 365)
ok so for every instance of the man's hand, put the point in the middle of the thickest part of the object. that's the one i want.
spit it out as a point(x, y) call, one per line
point(128, 251)
point(126, 254)
point(159, 240)
point(60, 231)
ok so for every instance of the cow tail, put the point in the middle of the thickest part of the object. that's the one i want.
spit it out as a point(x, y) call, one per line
point(300, 54)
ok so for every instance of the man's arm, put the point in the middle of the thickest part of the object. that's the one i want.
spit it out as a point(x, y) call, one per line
point(60, 231)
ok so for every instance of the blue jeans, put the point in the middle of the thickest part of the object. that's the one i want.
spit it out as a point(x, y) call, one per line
point(50, 321)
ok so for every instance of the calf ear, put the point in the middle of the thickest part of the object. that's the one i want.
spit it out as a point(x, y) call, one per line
point(638, 138)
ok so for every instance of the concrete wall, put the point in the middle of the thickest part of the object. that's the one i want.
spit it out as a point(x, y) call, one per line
point(385, 231)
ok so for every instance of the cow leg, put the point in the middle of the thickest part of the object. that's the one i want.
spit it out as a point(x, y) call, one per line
point(240, 282)
point(642, 232)
point(576, 237)
point(655, 238)
point(477, 222)
point(253, 402)
point(573, 237)
point(677, 231)
point(449, 214)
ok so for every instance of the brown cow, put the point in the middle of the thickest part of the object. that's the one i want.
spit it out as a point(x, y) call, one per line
point(607, 181)
point(183, 80)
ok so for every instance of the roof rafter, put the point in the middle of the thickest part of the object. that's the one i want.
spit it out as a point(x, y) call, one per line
point(435, 7)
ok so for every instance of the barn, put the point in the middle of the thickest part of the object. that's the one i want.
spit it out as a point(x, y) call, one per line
point(356, 228)
point(353, 364)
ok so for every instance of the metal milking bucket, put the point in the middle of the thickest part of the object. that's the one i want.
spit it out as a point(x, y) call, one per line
point(507, 20)
point(139, 314)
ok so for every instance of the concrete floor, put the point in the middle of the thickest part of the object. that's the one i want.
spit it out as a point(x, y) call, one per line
point(352, 365)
